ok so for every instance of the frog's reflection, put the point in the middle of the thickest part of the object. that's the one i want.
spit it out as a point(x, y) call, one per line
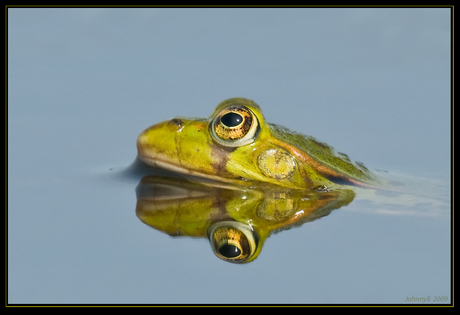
point(236, 222)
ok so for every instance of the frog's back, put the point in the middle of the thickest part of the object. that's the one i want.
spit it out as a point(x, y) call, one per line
point(335, 166)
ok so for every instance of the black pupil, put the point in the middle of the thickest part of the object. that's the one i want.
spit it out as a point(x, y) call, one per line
point(229, 251)
point(231, 119)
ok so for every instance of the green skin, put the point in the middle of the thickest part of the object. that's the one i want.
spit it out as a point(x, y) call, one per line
point(182, 208)
point(274, 156)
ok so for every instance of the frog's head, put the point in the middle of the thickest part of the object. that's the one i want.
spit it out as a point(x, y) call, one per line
point(234, 145)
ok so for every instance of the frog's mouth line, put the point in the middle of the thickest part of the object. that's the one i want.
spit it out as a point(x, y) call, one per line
point(157, 161)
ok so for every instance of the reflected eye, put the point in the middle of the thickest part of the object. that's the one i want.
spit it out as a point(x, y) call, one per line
point(234, 126)
point(230, 250)
point(232, 241)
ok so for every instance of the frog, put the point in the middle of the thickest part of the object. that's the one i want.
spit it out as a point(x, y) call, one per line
point(237, 146)
point(236, 223)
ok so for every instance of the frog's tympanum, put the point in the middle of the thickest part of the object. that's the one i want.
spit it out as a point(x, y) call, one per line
point(237, 146)
point(236, 222)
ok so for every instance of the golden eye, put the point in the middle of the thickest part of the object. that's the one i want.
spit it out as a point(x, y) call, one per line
point(233, 241)
point(234, 126)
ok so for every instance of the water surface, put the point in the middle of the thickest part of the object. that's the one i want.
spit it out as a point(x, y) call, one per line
point(83, 83)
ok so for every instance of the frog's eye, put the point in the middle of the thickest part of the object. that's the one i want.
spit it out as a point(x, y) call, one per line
point(234, 126)
point(233, 241)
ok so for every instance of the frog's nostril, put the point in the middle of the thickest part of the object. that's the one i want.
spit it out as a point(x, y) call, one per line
point(176, 121)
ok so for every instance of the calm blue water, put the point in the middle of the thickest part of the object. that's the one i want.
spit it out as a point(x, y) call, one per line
point(83, 83)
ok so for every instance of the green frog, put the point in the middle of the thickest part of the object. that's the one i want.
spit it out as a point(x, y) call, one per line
point(237, 146)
